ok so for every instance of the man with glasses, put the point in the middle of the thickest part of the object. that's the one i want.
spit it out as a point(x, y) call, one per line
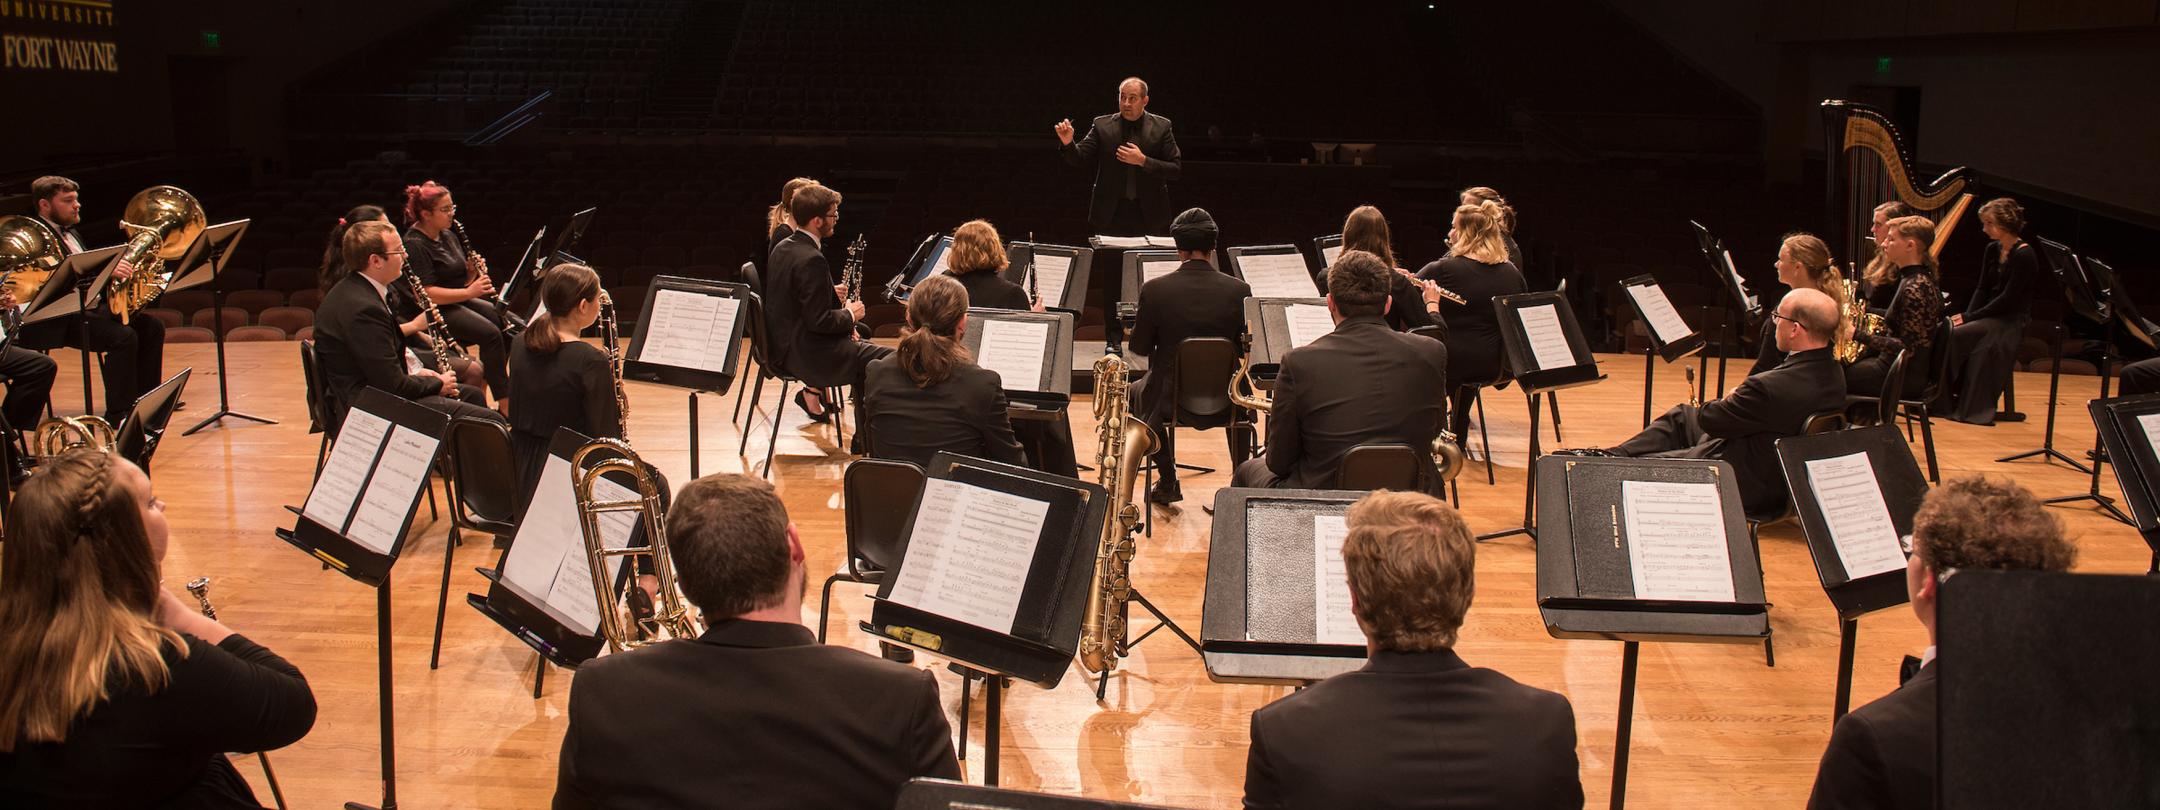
point(357, 342)
point(1883, 754)
point(1743, 427)
point(1135, 156)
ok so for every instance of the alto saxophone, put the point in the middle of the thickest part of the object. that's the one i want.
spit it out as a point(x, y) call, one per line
point(438, 330)
point(1122, 441)
point(1854, 314)
point(613, 345)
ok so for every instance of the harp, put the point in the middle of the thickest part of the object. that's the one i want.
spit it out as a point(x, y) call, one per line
point(1869, 166)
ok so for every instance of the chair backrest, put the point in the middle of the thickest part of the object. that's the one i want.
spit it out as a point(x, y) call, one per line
point(1380, 466)
point(751, 278)
point(1433, 331)
point(872, 493)
point(1825, 422)
point(483, 474)
point(756, 328)
point(1204, 368)
point(1893, 387)
point(1938, 362)
point(318, 404)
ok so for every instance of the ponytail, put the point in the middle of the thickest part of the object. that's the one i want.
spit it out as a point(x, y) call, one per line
point(562, 290)
point(930, 346)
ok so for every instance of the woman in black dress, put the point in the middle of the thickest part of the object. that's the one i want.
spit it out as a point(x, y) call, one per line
point(1476, 268)
point(1803, 263)
point(1910, 302)
point(113, 691)
point(415, 326)
point(977, 260)
point(457, 281)
point(556, 379)
point(1367, 230)
point(1984, 339)
point(930, 395)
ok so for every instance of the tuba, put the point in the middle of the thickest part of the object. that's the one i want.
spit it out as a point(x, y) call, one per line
point(672, 615)
point(161, 221)
point(1122, 441)
point(1447, 455)
point(58, 435)
point(612, 344)
point(29, 253)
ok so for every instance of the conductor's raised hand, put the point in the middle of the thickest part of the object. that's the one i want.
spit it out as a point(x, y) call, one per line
point(1064, 132)
point(1131, 154)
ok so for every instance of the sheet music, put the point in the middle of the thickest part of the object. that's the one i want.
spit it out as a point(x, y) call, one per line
point(942, 261)
point(350, 458)
point(1859, 520)
point(1152, 269)
point(969, 554)
point(1328, 254)
point(1277, 275)
point(1676, 541)
point(2151, 423)
point(389, 498)
point(1307, 323)
point(1548, 341)
point(1333, 620)
point(1124, 242)
point(1051, 270)
point(1740, 283)
point(547, 561)
point(689, 330)
point(1658, 310)
point(1014, 349)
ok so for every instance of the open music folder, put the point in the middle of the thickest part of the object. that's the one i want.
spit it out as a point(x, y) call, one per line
point(1061, 271)
point(1032, 353)
point(356, 514)
point(1277, 607)
point(1645, 548)
point(1277, 325)
point(1670, 335)
point(689, 334)
point(1543, 343)
point(1274, 271)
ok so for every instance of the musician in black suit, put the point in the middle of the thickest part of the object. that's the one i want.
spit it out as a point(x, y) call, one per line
point(1193, 301)
point(357, 343)
point(1882, 755)
point(1135, 156)
point(1417, 726)
point(134, 351)
point(1360, 384)
point(1476, 269)
point(755, 713)
point(402, 303)
point(811, 323)
point(930, 395)
point(1743, 427)
point(1984, 338)
point(778, 222)
point(2141, 377)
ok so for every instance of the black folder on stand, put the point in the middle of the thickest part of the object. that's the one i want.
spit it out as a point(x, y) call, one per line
point(1902, 485)
point(1072, 294)
point(1141, 266)
point(1521, 359)
point(2121, 422)
point(1257, 623)
point(1046, 396)
point(1273, 271)
point(57, 298)
point(336, 537)
point(1267, 324)
point(699, 345)
point(194, 268)
point(1045, 631)
point(1674, 349)
point(1325, 249)
point(923, 793)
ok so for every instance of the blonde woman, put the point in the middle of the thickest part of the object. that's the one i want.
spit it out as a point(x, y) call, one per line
point(1903, 288)
point(1476, 268)
point(1478, 195)
point(1803, 263)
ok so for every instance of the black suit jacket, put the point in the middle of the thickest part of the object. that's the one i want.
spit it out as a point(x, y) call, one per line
point(986, 289)
point(1196, 300)
point(357, 344)
point(1414, 730)
point(1745, 425)
point(1882, 755)
point(964, 414)
point(1152, 134)
point(1360, 384)
point(812, 333)
point(750, 715)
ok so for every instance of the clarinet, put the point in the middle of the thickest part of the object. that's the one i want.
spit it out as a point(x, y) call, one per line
point(512, 322)
point(1034, 297)
point(438, 330)
point(852, 273)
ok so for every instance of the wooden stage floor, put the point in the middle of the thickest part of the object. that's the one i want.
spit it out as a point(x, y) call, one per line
point(1714, 727)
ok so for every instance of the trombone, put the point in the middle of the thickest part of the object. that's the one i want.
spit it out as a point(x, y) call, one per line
point(671, 616)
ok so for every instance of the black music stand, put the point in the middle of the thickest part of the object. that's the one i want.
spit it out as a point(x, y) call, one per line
point(1138, 267)
point(1256, 622)
point(2042, 703)
point(928, 260)
point(1536, 379)
point(137, 436)
point(377, 469)
point(922, 793)
point(2121, 319)
point(1049, 395)
point(1646, 296)
point(204, 262)
point(1741, 306)
point(1902, 486)
point(2071, 277)
point(2121, 423)
point(699, 345)
point(1273, 271)
point(52, 301)
point(528, 266)
point(1045, 633)
point(1071, 295)
point(1325, 249)
point(1267, 335)
point(1585, 582)
point(568, 235)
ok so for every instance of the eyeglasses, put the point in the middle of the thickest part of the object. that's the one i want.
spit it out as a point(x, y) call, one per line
point(1904, 543)
point(447, 209)
point(1781, 316)
point(398, 252)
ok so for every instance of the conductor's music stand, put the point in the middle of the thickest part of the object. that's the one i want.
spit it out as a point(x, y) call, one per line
point(1897, 479)
point(1519, 314)
point(1586, 581)
point(1659, 320)
point(204, 262)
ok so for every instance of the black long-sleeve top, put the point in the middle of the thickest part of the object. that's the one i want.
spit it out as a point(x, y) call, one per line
point(570, 387)
point(1911, 306)
point(2005, 289)
point(1473, 337)
point(1406, 307)
point(167, 748)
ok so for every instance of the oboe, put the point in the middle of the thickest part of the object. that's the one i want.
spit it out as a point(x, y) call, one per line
point(1034, 297)
point(438, 330)
point(852, 273)
point(512, 322)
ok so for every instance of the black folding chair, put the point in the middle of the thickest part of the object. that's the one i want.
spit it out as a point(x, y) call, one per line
point(1201, 394)
point(874, 493)
point(483, 494)
point(318, 404)
point(1817, 423)
point(1369, 467)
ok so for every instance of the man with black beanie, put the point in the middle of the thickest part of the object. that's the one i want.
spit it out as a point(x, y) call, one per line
point(1193, 301)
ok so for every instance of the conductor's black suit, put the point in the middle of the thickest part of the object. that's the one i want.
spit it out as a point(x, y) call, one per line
point(1143, 190)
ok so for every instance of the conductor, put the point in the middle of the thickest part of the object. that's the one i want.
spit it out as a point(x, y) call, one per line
point(1135, 157)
